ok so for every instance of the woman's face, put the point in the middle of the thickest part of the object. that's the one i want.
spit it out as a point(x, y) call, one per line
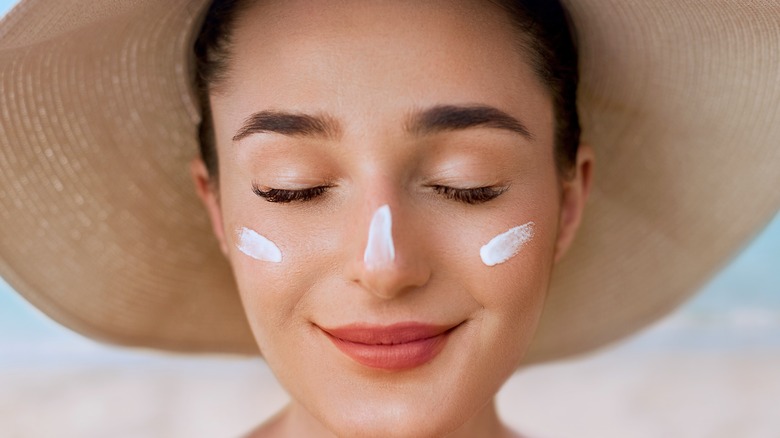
point(430, 110)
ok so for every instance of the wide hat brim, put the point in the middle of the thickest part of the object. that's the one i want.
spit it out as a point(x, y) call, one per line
point(102, 231)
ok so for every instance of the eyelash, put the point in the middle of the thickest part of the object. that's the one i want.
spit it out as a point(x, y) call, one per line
point(286, 196)
point(478, 195)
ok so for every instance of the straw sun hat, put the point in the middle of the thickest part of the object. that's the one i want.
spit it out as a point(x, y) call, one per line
point(100, 227)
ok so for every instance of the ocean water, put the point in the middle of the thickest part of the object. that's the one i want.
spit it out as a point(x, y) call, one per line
point(739, 308)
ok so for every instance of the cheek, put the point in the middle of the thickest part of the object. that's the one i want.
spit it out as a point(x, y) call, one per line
point(512, 294)
point(528, 252)
point(515, 291)
point(280, 299)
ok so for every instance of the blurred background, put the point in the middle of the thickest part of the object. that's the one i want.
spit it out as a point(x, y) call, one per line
point(711, 369)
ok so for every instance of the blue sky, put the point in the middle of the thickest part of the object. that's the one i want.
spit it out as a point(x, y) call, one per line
point(5, 5)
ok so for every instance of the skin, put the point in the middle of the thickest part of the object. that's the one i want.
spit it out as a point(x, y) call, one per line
point(368, 66)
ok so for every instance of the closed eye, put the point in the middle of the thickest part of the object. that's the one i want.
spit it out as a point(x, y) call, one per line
point(287, 196)
point(477, 195)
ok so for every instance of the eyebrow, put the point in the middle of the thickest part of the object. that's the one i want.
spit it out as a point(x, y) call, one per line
point(291, 124)
point(429, 121)
point(451, 118)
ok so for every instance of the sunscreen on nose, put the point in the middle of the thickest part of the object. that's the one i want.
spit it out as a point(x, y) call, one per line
point(380, 251)
point(506, 245)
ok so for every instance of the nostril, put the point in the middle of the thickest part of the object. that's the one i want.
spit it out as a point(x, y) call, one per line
point(380, 251)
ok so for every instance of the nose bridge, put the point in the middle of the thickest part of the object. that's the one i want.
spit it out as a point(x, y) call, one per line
point(380, 248)
point(389, 264)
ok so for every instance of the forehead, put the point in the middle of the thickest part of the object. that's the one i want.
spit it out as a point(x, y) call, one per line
point(439, 21)
point(372, 54)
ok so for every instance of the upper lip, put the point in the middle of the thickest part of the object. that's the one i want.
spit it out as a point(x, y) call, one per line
point(399, 333)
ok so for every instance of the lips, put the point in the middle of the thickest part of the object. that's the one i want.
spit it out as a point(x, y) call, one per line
point(394, 347)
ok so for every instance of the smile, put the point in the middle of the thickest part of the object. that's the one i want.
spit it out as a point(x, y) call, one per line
point(393, 348)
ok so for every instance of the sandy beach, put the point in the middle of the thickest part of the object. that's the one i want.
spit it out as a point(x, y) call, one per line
point(618, 393)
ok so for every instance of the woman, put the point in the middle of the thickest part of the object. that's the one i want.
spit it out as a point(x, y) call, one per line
point(393, 185)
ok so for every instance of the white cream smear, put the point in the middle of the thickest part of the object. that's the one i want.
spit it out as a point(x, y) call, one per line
point(506, 245)
point(380, 251)
point(258, 246)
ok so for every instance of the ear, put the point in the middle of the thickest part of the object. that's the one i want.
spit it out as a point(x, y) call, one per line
point(574, 195)
point(208, 192)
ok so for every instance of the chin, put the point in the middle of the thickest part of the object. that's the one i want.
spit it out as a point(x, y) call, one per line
point(389, 422)
point(392, 412)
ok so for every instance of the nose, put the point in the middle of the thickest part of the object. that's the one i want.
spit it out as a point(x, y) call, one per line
point(391, 263)
point(380, 249)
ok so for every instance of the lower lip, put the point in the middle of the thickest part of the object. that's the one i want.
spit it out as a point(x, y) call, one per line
point(392, 357)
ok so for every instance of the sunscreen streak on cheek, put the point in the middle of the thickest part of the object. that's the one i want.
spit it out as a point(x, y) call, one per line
point(257, 246)
point(380, 251)
point(506, 245)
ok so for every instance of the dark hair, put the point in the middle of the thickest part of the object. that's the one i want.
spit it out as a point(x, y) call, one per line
point(545, 35)
point(212, 55)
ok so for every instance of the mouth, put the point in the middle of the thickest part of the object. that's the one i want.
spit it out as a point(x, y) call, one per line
point(395, 347)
